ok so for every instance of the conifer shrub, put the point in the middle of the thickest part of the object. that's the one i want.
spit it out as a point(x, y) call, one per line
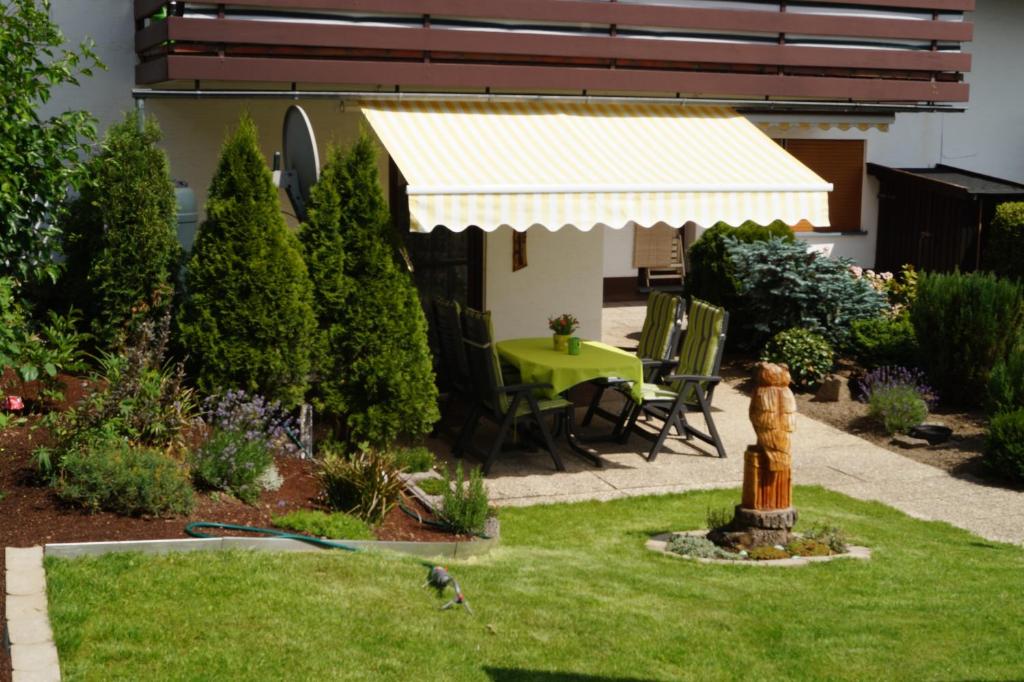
point(880, 341)
point(379, 377)
point(972, 321)
point(1006, 383)
point(711, 276)
point(783, 286)
point(1004, 252)
point(1004, 448)
point(247, 320)
point(120, 239)
point(464, 506)
point(808, 355)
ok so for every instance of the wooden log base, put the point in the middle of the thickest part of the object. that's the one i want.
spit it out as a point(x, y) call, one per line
point(755, 528)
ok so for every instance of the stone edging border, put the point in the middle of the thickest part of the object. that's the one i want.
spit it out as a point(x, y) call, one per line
point(658, 543)
point(27, 634)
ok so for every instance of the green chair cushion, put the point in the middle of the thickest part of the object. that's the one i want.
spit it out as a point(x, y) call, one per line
point(544, 405)
point(659, 322)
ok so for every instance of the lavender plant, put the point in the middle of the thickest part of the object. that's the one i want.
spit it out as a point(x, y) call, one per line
point(245, 431)
point(893, 376)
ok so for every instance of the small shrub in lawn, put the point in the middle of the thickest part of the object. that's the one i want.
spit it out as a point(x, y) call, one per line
point(711, 276)
point(696, 547)
point(1006, 383)
point(767, 553)
point(967, 324)
point(110, 474)
point(782, 286)
point(898, 409)
point(807, 547)
point(894, 376)
point(1004, 250)
point(414, 460)
point(336, 525)
point(808, 355)
point(716, 517)
point(433, 486)
point(1004, 448)
point(364, 483)
point(464, 504)
point(245, 431)
point(833, 536)
point(880, 341)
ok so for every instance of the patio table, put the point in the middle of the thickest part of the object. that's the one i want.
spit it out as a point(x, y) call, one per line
point(538, 362)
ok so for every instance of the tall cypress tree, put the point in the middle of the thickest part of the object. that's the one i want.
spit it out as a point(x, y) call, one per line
point(247, 321)
point(377, 338)
point(120, 239)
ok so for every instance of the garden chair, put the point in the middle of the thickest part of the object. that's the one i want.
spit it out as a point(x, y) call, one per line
point(509, 406)
point(690, 387)
point(659, 339)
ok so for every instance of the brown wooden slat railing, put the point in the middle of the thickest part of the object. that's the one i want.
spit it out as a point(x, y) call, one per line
point(227, 31)
point(434, 56)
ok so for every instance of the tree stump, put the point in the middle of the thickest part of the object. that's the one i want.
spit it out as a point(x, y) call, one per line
point(766, 515)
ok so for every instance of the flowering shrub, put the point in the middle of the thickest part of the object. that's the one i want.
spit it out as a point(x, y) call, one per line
point(900, 291)
point(898, 408)
point(888, 377)
point(563, 324)
point(245, 430)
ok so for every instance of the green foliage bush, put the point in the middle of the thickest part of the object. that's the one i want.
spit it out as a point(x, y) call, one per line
point(364, 483)
point(696, 547)
point(1006, 383)
point(39, 158)
point(1004, 250)
point(415, 459)
point(247, 320)
point(711, 275)
point(971, 322)
point(378, 374)
point(336, 525)
point(808, 355)
point(464, 505)
point(783, 286)
point(109, 474)
point(1004, 448)
point(897, 408)
point(120, 240)
point(880, 341)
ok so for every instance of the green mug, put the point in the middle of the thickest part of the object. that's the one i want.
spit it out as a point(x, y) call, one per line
point(575, 345)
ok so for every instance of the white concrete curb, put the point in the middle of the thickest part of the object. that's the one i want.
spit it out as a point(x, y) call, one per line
point(27, 632)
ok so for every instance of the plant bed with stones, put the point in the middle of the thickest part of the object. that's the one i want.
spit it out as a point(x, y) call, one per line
point(799, 551)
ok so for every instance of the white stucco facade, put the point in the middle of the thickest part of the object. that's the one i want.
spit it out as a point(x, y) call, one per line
point(566, 268)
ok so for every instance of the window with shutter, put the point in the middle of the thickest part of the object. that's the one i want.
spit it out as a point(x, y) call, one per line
point(840, 162)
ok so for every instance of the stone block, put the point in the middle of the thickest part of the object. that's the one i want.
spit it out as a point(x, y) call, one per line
point(29, 630)
point(909, 442)
point(23, 557)
point(34, 658)
point(833, 389)
point(26, 581)
point(26, 606)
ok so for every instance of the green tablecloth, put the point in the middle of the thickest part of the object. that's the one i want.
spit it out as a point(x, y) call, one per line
point(539, 362)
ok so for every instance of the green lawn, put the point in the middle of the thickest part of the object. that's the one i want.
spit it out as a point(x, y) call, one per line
point(570, 594)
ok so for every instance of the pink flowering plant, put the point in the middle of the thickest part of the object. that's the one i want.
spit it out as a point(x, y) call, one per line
point(899, 290)
point(564, 324)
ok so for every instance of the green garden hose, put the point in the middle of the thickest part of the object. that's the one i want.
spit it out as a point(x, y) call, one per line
point(190, 529)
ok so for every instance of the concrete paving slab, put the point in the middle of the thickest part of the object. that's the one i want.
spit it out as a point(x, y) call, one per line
point(26, 581)
point(29, 630)
point(23, 557)
point(34, 658)
point(47, 675)
point(25, 606)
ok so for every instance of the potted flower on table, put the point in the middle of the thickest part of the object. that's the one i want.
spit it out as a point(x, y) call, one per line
point(563, 326)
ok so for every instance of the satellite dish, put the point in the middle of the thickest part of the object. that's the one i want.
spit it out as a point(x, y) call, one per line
point(298, 168)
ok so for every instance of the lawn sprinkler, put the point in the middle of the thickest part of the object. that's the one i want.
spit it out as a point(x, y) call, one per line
point(439, 578)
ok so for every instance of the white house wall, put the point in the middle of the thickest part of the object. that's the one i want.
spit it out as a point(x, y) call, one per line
point(564, 275)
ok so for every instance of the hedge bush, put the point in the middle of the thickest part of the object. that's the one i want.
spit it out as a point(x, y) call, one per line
point(783, 286)
point(1006, 383)
point(971, 321)
point(247, 320)
point(808, 355)
point(121, 240)
point(1004, 449)
point(879, 341)
point(711, 275)
point(379, 379)
point(1004, 251)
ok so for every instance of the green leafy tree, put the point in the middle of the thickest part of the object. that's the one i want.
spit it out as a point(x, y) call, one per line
point(381, 378)
point(120, 240)
point(247, 320)
point(39, 159)
point(1004, 252)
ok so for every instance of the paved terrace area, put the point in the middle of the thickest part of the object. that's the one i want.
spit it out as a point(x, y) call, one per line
point(822, 455)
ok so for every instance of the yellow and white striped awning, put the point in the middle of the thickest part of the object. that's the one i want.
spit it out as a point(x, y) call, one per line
point(557, 164)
